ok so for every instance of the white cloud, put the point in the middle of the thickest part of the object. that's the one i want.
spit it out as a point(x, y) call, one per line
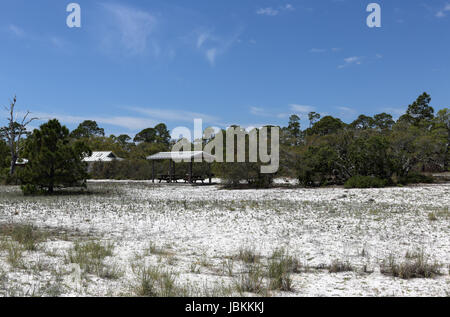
point(17, 31)
point(148, 117)
point(302, 109)
point(354, 60)
point(443, 12)
point(130, 123)
point(267, 11)
point(212, 45)
point(346, 112)
point(170, 115)
point(131, 28)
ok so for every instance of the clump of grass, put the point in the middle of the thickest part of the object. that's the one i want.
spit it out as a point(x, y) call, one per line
point(418, 268)
point(432, 216)
point(248, 256)
point(252, 281)
point(155, 282)
point(28, 236)
point(338, 266)
point(155, 250)
point(90, 256)
point(228, 266)
point(15, 254)
point(280, 267)
point(110, 272)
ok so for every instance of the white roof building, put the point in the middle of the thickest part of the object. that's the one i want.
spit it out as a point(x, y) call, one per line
point(182, 156)
point(107, 156)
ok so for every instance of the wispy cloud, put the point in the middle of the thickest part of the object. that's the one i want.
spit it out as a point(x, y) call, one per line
point(302, 109)
point(443, 12)
point(127, 122)
point(130, 27)
point(269, 11)
point(15, 30)
point(354, 60)
point(212, 45)
point(171, 115)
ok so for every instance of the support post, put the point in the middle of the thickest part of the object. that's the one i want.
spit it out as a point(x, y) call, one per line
point(153, 171)
point(170, 172)
point(190, 172)
point(210, 175)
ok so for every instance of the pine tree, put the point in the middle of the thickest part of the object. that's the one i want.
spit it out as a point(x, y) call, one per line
point(54, 160)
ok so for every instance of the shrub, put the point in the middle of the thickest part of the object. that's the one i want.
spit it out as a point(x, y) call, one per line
point(415, 178)
point(29, 189)
point(365, 182)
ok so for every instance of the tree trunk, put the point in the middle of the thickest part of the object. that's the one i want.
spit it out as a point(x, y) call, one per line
point(12, 167)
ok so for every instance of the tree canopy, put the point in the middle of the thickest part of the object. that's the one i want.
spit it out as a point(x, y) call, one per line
point(54, 161)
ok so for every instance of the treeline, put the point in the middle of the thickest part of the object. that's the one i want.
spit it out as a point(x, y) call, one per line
point(369, 152)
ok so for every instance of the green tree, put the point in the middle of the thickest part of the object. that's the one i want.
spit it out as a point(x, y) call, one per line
point(4, 155)
point(313, 118)
point(363, 123)
point(419, 111)
point(294, 130)
point(54, 161)
point(147, 135)
point(383, 121)
point(88, 129)
point(162, 134)
point(327, 125)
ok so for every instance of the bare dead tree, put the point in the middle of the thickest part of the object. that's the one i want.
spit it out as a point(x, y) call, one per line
point(14, 132)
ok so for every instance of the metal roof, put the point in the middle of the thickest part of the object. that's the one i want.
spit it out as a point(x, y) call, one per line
point(101, 157)
point(182, 156)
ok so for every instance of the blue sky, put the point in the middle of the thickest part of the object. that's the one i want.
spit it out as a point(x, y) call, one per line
point(134, 64)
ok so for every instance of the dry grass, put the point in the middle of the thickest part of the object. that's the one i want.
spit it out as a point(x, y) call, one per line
point(338, 267)
point(90, 255)
point(419, 267)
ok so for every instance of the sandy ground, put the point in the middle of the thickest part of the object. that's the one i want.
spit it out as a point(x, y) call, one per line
point(198, 230)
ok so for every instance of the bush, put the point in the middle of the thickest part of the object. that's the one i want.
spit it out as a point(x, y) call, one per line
point(29, 189)
point(415, 178)
point(365, 182)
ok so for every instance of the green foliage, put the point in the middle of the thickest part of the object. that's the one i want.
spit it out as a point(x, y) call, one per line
point(54, 161)
point(327, 125)
point(415, 178)
point(419, 111)
point(158, 134)
point(359, 181)
point(87, 129)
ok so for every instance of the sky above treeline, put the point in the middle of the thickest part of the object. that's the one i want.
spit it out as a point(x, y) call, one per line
point(133, 64)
